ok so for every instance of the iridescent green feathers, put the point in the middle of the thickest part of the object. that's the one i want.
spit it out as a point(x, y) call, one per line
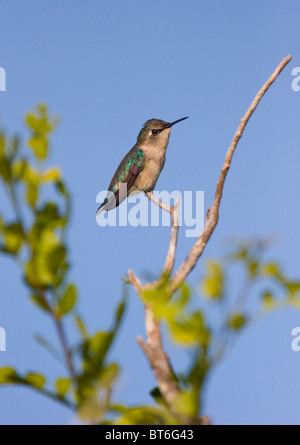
point(126, 173)
point(131, 162)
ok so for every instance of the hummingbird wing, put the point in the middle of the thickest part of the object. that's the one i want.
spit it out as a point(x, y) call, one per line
point(126, 173)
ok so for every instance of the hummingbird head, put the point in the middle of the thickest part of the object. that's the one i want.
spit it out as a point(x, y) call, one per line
point(156, 133)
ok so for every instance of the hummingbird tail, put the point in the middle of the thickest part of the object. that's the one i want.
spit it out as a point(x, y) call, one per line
point(101, 207)
point(111, 201)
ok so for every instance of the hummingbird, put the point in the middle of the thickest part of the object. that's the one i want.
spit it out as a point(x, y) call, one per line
point(140, 168)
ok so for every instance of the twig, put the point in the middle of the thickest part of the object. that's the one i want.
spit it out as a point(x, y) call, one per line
point(170, 260)
point(135, 282)
point(173, 210)
point(159, 202)
point(64, 344)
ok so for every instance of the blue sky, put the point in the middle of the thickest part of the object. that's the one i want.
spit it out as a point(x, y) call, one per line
point(105, 67)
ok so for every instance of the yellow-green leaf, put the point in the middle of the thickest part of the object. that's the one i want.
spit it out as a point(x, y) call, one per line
point(62, 386)
point(81, 326)
point(272, 269)
point(5, 169)
point(108, 375)
point(19, 168)
point(39, 145)
point(268, 300)
point(36, 380)
point(13, 237)
point(212, 285)
point(67, 301)
point(236, 321)
point(186, 404)
point(8, 375)
point(32, 194)
point(41, 302)
point(37, 274)
point(55, 259)
point(51, 175)
point(2, 145)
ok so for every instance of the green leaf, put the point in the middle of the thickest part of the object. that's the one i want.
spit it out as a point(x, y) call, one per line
point(108, 375)
point(36, 380)
point(5, 169)
point(236, 321)
point(8, 375)
point(212, 285)
point(30, 174)
point(189, 329)
point(13, 238)
point(53, 174)
point(37, 274)
point(185, 294)
point(40, 126)
point(67, 301)
point(40, 302)
point(268, 300)
point(186, 404)
point(2, 145)
point(49, 215)
point(39, 145)
point(253, 268)
point(119, 313)
point(46, 267)
point(199, 368)
point(32, 121)
point(143, 415)
point(19, 168)
point(272, 270)
point(62, 386)
point(32, 194)
point(56, 258)
point(81, 326)
point(293, 287)
point(62, 188)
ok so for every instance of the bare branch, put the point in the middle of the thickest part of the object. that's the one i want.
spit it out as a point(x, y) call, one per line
point(159, 202)
point(170, 260)
point(133, 279)
point(213, 214)
point(160, 364)
point(158, 360)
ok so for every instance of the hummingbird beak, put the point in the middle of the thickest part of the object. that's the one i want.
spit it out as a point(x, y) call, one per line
point(175, 122)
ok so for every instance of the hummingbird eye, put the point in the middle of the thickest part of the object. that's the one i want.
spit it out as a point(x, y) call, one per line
point(154, 131)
